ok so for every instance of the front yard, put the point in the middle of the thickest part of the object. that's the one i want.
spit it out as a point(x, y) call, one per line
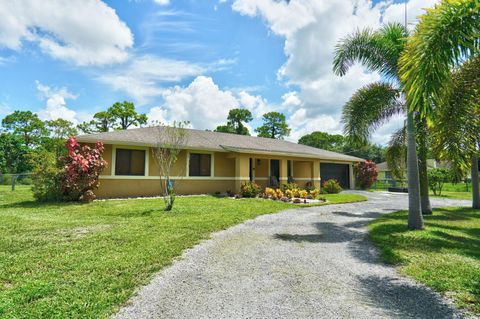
point(73, 260)
point(445, 256)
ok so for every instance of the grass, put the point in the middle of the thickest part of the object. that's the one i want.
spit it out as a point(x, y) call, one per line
point(455, 195)
point(72, 260)
point(445, 256)
point(338, 199)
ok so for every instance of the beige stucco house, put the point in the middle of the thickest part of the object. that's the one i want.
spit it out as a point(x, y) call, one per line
point(213, 162)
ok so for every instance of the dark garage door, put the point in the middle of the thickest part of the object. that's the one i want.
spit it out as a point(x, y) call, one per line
point(340, 172)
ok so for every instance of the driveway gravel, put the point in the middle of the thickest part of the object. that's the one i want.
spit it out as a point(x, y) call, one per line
point(301, 263)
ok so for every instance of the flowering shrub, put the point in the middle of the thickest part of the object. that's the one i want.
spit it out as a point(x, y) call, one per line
point(303, 193)
point(365, 174)
point(331, 186)
point(83, 166)
point(314, 193)
point(250, 189)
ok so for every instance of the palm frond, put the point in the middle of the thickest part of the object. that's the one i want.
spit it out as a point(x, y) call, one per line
point(445, 36)
point(396, 154)
point(377, 50)
point(456, 129)
point(369, 108)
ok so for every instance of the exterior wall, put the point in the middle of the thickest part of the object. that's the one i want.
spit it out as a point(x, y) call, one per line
point(229, 171)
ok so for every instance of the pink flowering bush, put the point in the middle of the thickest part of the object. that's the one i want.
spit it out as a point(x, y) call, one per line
point(365, 174)
point(82, 168)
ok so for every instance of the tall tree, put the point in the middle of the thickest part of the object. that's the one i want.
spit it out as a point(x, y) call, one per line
point(235, 122)
point(60, 130)
point(26, 124)
point(445, 36)
point(456, 130)
point(125, 115)
point(373, 105)
point(274, 126)
point(323, 140)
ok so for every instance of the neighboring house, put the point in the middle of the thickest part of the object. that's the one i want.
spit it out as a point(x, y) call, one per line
point(384, 173)
point(213, 162)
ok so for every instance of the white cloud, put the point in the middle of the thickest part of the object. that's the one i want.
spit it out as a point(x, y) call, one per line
point(204, 104)
point(311, 30)
point(142, 77)
point(162, 2)
point(56, 106)
point(85, 32)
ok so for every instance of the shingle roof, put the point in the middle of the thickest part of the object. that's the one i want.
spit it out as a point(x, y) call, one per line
point(215, 141)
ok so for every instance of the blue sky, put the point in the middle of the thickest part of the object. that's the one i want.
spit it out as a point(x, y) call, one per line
point(187, 60)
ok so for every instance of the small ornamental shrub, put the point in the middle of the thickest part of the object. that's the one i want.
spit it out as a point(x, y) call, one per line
point(250, 189)
point(270, 192)
point(314, 193)
point(365, 174)
point(289, 186)
point(303, 193)
point(46, 177)
point(279, 193)
point(83, 166)
point(331, 186)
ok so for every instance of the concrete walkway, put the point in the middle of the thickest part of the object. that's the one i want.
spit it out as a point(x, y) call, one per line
point(302, 263)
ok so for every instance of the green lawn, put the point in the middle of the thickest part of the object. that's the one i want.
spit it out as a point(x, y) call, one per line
point(341, 198)
point(74, 260)
point(445, 256)
point(455, 195)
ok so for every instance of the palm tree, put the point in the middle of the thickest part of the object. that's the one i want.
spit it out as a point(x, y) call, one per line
point(445, 37)
point(373, 105)
point(456, 133)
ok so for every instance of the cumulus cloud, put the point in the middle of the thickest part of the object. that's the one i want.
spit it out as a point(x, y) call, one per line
point(56, 106)
point(85, 32)
point(311, 30)
point(205, 104)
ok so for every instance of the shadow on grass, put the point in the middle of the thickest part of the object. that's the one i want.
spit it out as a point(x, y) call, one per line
point(390, 236)
point(403, 299)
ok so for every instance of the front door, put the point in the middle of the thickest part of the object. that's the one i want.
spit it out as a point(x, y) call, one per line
point(275, 169)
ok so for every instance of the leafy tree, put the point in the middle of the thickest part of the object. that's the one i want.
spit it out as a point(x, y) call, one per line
point(371, 152)
point(323, 140)
point(438, 177)
point(125, 115)
point(445, 36)
point(274, 126)
point(25, 124)
point(236, 118)
point(59, 130)
point(101, 122)
point(374, 104)
point(13, 154)
point(225, 129)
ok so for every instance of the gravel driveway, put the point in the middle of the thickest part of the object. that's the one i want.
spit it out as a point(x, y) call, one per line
point(301, 263)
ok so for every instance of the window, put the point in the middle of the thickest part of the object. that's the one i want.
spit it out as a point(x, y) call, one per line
point(199, 165)
point(130, 162)
point(289, 168)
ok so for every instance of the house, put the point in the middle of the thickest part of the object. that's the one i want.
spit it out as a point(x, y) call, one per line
point(385, 173)
point(213, 162)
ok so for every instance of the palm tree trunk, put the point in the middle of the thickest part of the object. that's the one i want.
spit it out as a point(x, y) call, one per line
point(475, 183)
point(422, 166)
point(415, 218)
